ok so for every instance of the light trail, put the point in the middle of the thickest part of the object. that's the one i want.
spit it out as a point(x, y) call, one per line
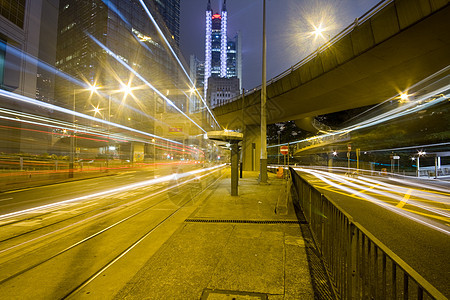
point(384, 186)
point(115, 10)
point(427, 100)
point(110, 191)
point(75, 129)
point(3, 251)
point(57, 72)
point(412, 147)
point(102, 135)
point(42, 64)
point(112, 54)
point(21, 98)
point(144, 6)
point(349, 191)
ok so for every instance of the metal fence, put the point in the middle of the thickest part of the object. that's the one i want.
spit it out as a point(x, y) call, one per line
point(358, 264)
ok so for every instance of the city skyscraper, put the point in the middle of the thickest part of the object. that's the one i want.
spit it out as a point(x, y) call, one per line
point(27, 50)
point(80, 55)
point(99, 43)
point(222, 55)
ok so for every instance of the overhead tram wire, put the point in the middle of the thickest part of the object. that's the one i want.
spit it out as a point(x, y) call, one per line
point(108, 51)
point(176, 57)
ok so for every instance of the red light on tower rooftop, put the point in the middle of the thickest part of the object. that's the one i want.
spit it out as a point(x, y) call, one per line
point(215, 16)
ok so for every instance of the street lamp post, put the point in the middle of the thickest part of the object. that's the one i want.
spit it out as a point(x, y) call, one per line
point(72, 141)
point(278, 154)
point(418, 163)
point(154, 153)
point(263, 161)
point(109, 120)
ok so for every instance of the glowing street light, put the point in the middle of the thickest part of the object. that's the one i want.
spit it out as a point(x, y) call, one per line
point(93, 88)
point(404, 97)
point(97, 110)
point(126, 89)
point(318, 30)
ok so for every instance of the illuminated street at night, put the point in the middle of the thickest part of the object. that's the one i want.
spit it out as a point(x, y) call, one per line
point(408, 216)
point(214, 149)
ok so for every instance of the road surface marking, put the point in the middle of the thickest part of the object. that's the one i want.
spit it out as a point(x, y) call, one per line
point(4, 199)
point(362, 191)
point(405, 198)
point(441, 218)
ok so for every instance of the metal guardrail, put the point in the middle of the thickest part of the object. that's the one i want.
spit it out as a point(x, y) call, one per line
point(358, 264)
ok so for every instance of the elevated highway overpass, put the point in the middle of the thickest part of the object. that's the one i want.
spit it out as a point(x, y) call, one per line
point(391, 47)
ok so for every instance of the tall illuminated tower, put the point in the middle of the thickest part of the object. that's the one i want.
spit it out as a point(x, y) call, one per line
point(223, 41)
point(208, 44)
point(215, 43)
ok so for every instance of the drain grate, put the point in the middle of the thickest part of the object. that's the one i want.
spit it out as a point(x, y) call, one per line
point(212, 294)
point(243, 221)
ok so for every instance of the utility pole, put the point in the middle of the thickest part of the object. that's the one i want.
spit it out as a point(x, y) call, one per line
point(109, 121)
point(358, 152)
point(241, 164)
point(263, 161)
point(72, 140)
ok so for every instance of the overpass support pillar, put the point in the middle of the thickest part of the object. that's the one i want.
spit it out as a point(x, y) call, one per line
point(251, 148)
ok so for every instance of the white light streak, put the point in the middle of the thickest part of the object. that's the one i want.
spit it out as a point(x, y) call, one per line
point(408, 108)
point(109, 192)
point(143, 80)
point(322, 176)
point(25, 99)
point(176, 57)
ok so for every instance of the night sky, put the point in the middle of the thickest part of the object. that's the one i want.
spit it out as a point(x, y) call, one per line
point(289, 27)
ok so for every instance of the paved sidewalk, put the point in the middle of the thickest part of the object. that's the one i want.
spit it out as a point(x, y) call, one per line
point(227, 250)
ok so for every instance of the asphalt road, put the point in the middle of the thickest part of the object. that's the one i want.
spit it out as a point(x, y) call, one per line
point(28, 198)
point(55, 239)
point(411, 220)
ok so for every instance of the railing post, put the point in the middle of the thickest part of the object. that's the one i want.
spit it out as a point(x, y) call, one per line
point(351, 268)
point(394, 281)
point(375, 271)
point(322, 223)
point(383, 278)
point(405, 286)
point(310, 203)
point(419, 293)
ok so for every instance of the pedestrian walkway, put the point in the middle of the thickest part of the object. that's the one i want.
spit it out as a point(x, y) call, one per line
point(230, 248)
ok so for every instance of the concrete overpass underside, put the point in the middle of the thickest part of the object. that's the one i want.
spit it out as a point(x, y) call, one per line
point(403, 43)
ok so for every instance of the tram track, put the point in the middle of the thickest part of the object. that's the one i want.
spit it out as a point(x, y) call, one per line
point(141, 215)
point(43, 215)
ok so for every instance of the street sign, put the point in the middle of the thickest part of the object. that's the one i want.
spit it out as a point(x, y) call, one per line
point(284, 150)
point(396, 157)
